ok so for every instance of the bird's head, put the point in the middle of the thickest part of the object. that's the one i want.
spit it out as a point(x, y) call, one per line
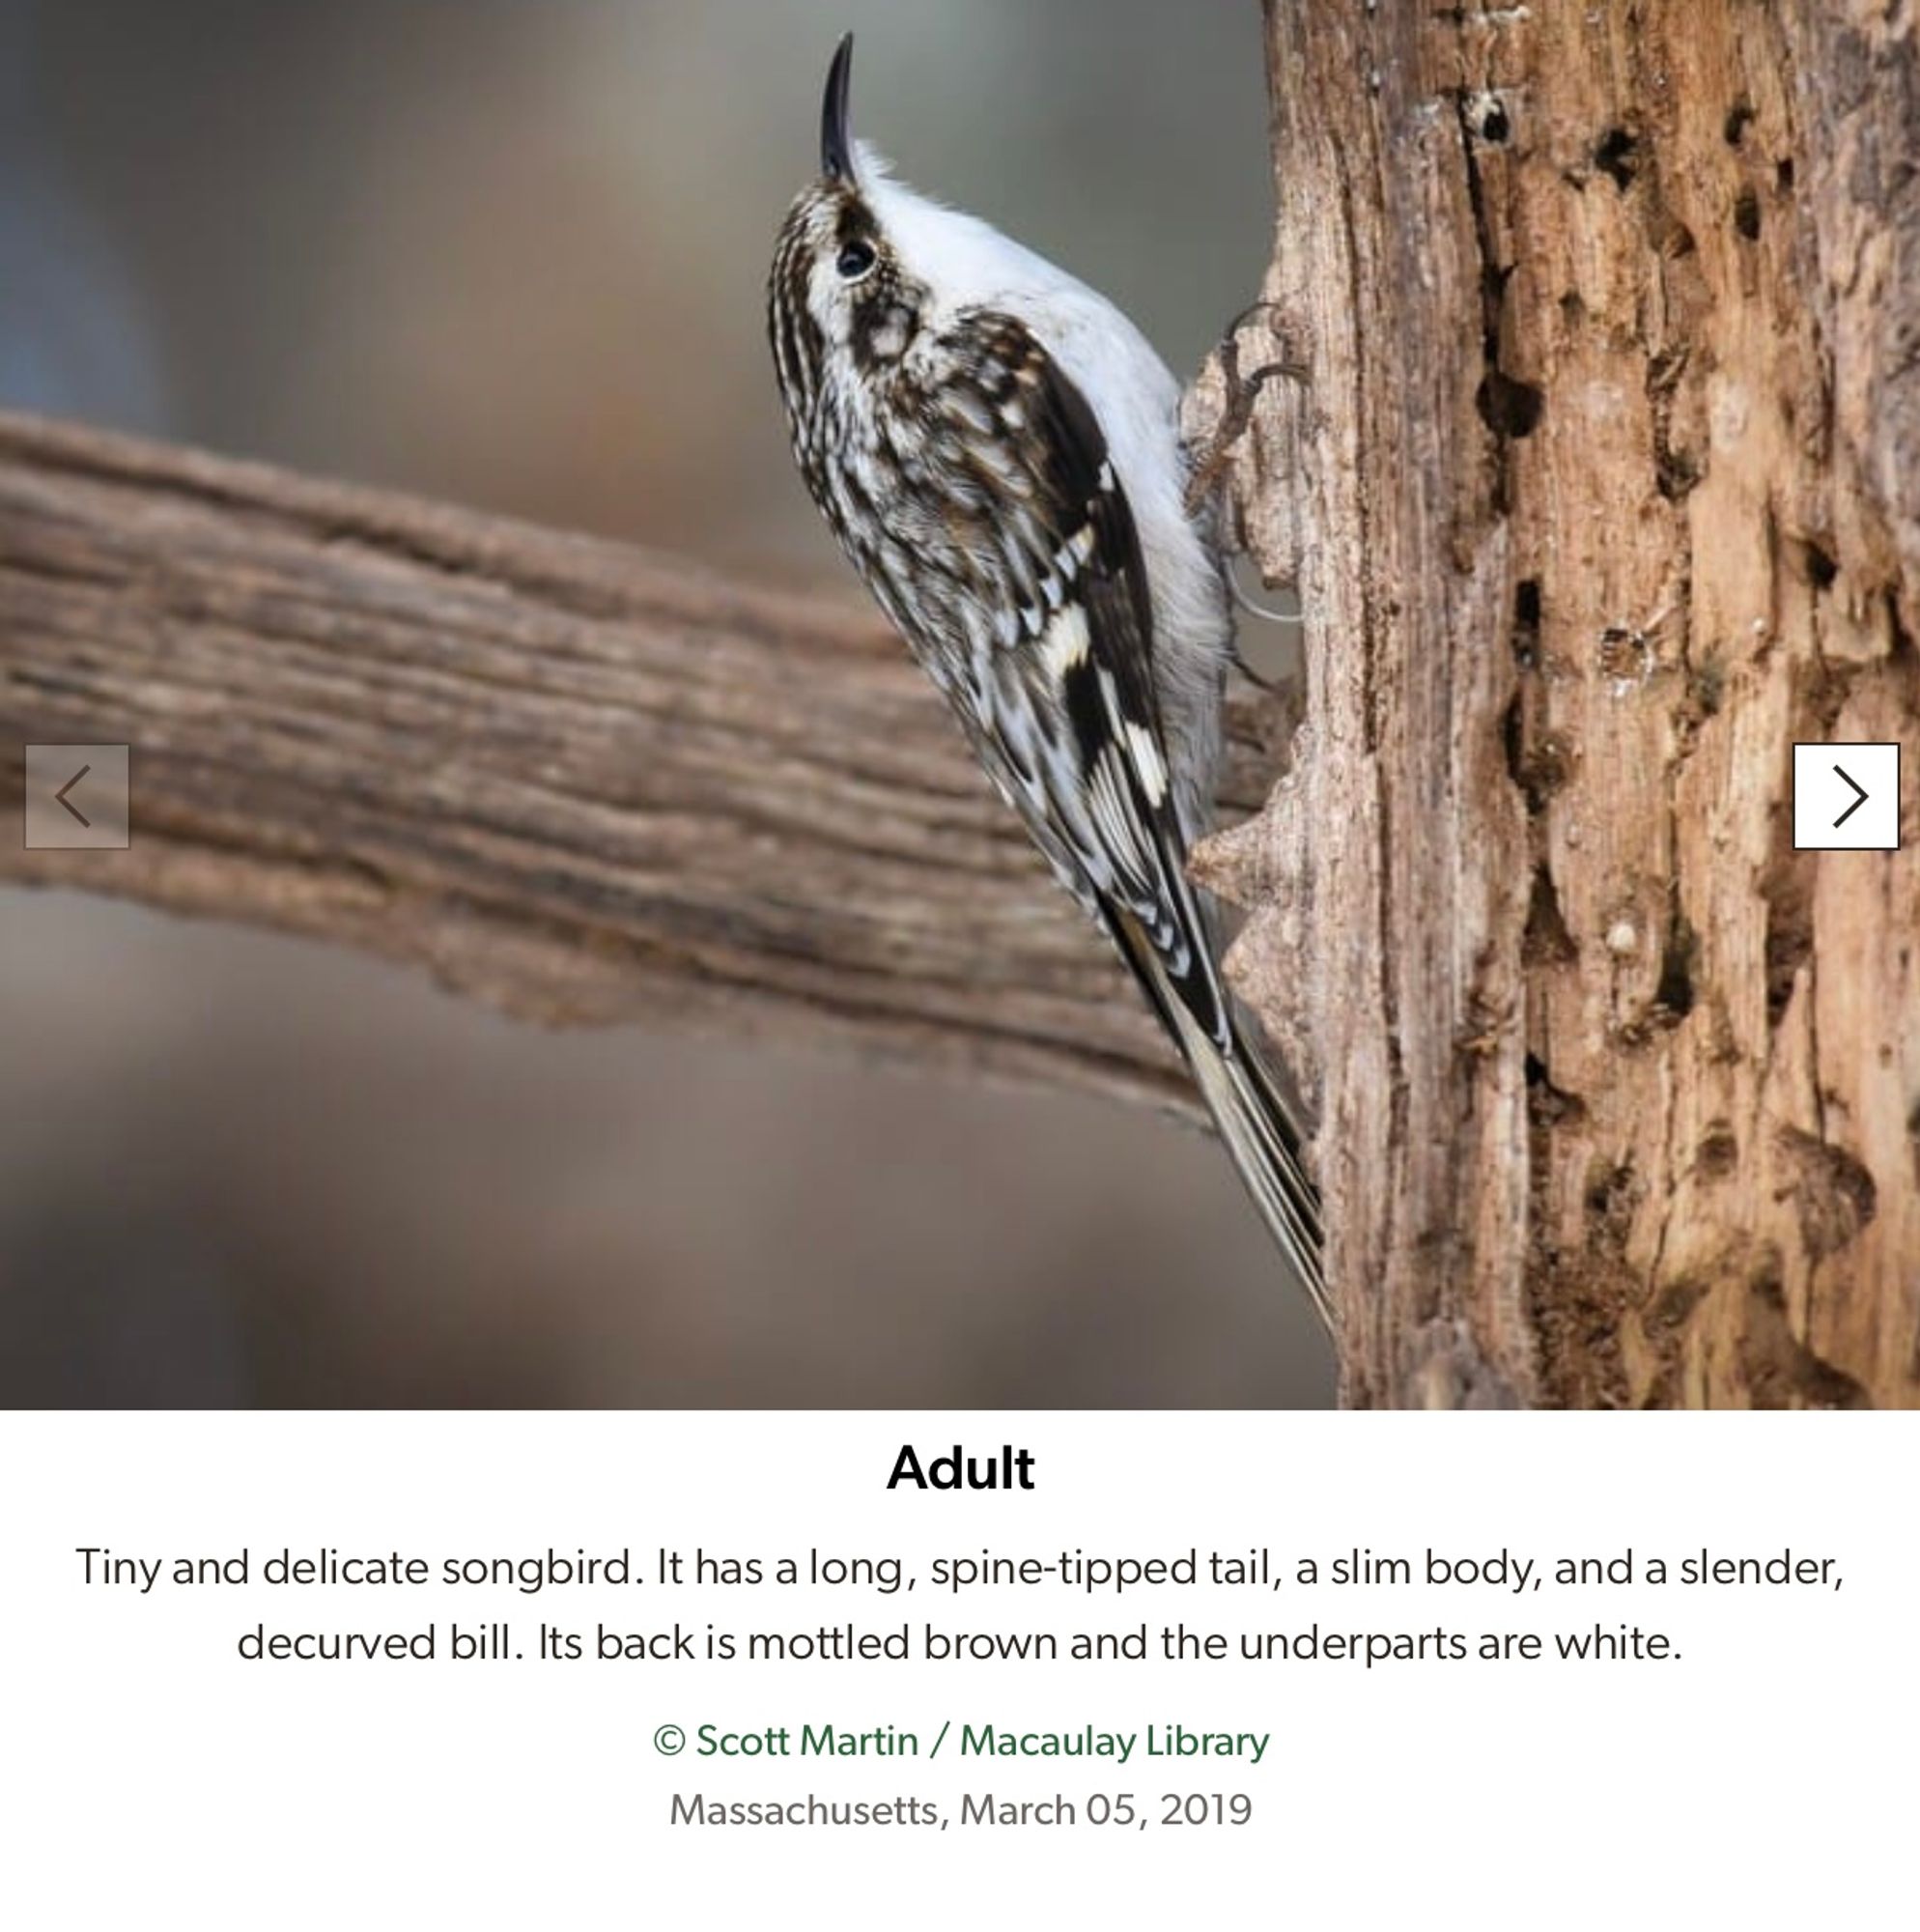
point(841, 297)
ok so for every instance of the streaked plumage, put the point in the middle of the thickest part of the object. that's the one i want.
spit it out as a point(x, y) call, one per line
point(996, 448)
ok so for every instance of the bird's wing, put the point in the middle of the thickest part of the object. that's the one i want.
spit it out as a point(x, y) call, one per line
point(1062, 692)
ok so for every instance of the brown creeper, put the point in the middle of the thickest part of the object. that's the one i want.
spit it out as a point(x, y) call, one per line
point(996, 448)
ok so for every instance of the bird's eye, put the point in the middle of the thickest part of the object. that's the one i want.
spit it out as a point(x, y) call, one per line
point(855, 259)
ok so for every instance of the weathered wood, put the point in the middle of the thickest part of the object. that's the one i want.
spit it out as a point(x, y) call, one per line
point(584, 784)
point(1604, 489)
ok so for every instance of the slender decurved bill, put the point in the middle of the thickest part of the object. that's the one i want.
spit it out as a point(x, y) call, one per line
point(837, 141)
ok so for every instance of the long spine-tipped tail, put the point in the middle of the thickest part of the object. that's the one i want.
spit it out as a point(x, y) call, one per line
point(1264, 1141)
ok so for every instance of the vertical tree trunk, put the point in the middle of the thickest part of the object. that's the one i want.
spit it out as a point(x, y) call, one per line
point(1602, 488)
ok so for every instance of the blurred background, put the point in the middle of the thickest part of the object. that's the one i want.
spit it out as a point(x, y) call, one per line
point(512, 254)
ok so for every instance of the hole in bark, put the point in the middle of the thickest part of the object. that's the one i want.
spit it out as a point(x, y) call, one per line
point(1783, 177)
point(1675, 470)
point(1614, 158)
point(1527, 624)
point(1494, 125)
point(1609, 1192)
point(1542, 772)
point(1740, 118)
point(1676, 474)
point(1537, 773)
point(1509, 407)
point(1675, 992)
point(1548, 1105)
point(1821, 569)
point(1747, 215)
point(1789, 891)
point(1718, 1153)
point(1903, 637)
point(1709, 684)
point(1664, 371)
point(1546, 940)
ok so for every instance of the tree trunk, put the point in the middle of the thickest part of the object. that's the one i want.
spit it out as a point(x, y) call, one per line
point(1602, 489)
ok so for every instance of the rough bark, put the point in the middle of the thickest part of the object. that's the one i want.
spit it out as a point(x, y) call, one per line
point(583, 783)
point(1602, 488)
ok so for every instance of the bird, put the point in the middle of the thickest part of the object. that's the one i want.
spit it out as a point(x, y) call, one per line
point(996, 448)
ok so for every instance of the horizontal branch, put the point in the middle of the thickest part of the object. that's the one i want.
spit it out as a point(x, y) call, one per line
point(579, 783)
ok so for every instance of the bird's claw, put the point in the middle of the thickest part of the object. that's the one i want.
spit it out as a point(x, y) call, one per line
point(1241, 388)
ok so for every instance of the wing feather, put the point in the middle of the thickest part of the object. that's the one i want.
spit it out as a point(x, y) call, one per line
point(1082, 660)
